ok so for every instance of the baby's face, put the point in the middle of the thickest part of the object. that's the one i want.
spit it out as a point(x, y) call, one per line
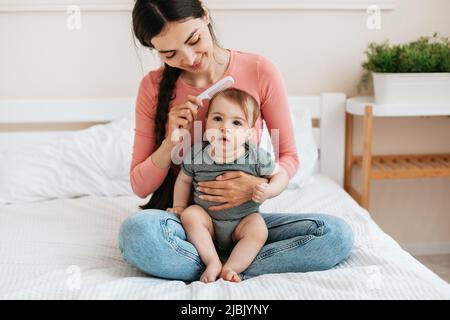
point(226, 125)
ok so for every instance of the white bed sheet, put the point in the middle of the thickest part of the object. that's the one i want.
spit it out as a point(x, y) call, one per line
point(44, 244)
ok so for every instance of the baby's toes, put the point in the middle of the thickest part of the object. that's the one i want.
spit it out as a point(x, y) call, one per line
point(235, 278)
point(211, 273)
point(230, 275)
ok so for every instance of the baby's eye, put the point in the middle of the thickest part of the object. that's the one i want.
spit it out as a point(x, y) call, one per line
point(237, 123)
point(217, 118)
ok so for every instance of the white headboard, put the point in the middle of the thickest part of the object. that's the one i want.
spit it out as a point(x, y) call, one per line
point(328, 112)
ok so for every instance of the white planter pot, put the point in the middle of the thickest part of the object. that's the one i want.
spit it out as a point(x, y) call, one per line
point(411, 87)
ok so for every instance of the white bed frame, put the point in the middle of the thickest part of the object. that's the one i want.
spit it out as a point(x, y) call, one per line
point(327, 109)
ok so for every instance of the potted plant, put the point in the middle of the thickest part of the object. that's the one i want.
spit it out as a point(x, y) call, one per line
point(417, 71)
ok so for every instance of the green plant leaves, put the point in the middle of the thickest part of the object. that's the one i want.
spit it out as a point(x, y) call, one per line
point(427, 54)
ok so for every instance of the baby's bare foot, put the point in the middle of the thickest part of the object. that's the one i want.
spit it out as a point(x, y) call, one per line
point(228, 274)
point(211, 272)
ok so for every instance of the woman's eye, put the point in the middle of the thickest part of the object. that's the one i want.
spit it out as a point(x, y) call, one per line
point(171, 56)
point(217, 118)
point(237, 123)
point(192, 44)
point(195, 42)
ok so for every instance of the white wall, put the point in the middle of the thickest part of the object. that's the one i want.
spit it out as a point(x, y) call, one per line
point(316, 51)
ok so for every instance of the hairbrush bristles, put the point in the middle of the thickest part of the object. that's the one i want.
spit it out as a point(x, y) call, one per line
point(217, 87)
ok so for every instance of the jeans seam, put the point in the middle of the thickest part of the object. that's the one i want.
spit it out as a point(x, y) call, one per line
point(284, 223)
point(288, 246)
point(174, 245)
point(320, 227)
point(319, 222)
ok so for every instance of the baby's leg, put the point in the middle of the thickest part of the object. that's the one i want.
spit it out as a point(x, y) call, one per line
point(250, 236)
point(199, 230)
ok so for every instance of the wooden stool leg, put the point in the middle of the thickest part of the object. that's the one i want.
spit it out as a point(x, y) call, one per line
point(348, 151)
point(367, 157)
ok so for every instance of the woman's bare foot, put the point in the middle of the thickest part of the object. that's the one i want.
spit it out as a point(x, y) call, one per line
point(228, 274)
point(211, 272)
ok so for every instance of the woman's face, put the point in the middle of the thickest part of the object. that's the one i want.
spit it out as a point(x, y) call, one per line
point(186, 45)
point(226, 126)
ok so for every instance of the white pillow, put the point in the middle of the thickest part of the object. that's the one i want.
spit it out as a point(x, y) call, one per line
point(304, 141)
point(93, 161)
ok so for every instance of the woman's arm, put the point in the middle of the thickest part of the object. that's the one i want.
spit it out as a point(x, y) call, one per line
point(149, 167)
point(147, 172)
point(275, 111)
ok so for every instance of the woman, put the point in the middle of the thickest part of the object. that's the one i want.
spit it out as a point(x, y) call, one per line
point(153, 239)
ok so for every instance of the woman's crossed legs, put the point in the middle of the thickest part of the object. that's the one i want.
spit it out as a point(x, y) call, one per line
point(154, 241)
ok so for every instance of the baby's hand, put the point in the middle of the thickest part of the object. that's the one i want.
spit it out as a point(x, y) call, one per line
point(177, 210)
point(261, 192)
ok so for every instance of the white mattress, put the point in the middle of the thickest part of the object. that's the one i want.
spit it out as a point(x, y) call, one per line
point(42, 244)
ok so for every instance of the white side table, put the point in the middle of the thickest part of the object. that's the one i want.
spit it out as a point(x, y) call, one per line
point(388, 166)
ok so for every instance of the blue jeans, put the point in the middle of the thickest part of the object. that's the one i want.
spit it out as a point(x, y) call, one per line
point(154, 242)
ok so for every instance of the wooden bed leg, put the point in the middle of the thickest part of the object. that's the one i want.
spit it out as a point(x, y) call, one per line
point(348, 151)
point(367, 157)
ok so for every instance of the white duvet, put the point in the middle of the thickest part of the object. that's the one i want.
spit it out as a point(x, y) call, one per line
point(67, 249)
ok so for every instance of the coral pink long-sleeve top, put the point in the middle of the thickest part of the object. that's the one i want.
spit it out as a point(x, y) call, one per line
point(252, 73)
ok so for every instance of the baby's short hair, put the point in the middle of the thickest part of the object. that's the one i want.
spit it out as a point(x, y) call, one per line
point(244, 100)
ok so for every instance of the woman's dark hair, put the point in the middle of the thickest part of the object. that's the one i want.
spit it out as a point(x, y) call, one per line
point(149, 19)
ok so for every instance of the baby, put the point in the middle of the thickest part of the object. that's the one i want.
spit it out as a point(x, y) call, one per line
point(230, 120)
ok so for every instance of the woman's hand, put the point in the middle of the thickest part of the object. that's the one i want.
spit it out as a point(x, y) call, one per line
point(233, 188)
point(182, 116)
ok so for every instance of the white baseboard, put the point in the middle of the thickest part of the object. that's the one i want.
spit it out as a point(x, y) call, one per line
point(427, 248)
